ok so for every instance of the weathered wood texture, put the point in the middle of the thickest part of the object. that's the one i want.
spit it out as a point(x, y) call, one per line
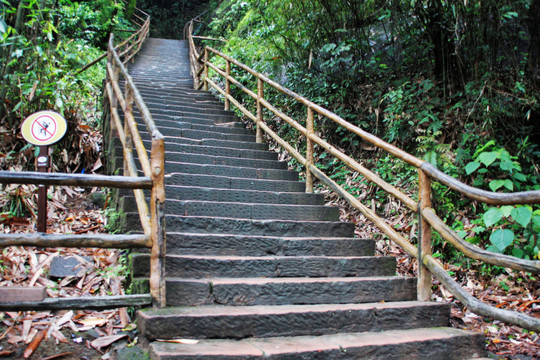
point(34, 177)
point(73, 241)
point(12, 294)
point(80, 303)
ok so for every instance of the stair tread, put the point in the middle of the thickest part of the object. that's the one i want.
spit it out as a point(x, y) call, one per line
point(287, 280)
point(227, 310)
point(323, 346)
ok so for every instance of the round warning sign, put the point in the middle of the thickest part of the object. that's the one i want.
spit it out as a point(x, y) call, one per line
point(44, 128)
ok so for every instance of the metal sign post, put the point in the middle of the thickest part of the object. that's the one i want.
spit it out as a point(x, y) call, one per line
point(43, 129)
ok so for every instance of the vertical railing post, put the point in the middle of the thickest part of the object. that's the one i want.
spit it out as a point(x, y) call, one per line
point(424, 238)
point(309, 150)
point(127, 130)
point(205, 80)
point(260, 119)
point(227, 85)
point(157, 213)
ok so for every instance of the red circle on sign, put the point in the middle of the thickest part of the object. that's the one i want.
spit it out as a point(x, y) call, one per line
point(43, 128)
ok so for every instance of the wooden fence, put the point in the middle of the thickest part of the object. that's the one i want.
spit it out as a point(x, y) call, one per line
point(151, 215)
point(428, 219)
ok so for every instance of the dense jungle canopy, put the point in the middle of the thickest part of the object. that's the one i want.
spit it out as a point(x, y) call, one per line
point(453, 82)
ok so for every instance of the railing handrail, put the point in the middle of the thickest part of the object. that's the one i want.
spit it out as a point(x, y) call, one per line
point(200, 66)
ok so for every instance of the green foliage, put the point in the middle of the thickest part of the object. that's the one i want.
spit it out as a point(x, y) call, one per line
point(496, 167)
point(436, 78)
point(42, 45)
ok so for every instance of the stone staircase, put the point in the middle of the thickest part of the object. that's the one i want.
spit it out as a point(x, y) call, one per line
point(256, 267)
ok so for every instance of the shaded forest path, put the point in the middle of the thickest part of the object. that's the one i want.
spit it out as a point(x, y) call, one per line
point(255, 266)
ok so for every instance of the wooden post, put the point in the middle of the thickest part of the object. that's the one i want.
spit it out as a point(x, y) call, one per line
point(309, 150)
point(43, 164)
point(205, 82)
point(127, 130)
point(260, 119)
point(227, 85)
point(157, 211)
point(424, 237)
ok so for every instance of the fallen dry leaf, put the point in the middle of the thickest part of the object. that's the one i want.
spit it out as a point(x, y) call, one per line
point(34, 344)
point(92, 322)
point(106, 340)
point(180, 341)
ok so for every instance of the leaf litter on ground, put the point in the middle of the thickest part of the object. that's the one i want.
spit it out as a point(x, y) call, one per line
point(69, 212)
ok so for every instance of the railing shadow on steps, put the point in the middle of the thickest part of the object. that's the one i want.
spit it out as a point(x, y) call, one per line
point(428, 219)
point(152, 220)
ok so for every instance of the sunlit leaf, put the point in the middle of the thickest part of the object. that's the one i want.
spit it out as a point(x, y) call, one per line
point(487, 158)
point(471, 167)
point(522, 216)
point(494, 185)
point(502, 238)
point(492, 216)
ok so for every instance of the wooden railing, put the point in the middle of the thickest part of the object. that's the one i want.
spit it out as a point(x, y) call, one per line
point(151, 216)
point(428, 219)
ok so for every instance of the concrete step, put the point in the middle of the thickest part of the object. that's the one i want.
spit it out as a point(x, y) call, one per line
point(171, 100)
point(174, 121)
point(283, 291)
point(245, 196)
point(247, 146)
point(218, 321)
point(173, 128)
point(420, 344)
point(285, 228)
point(176, 149)
point(258, 211)
point(227, 161)
point(229, 171)
point(198, 134)
point(246, 245)
point(229, 182)
point(156, 107)
point(197, 266)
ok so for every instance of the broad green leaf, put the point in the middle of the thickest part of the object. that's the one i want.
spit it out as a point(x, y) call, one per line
point(492, 216)
point(536, 223)
point(509, 184)
point(522, 216)
point(506, 210)
point(506, 165)
point(3, 26)
point(520, 177)
point(494, 249)
point(471, 167)
point(487, 158)
point(518, 253)
point(494, 185)
point(501, 239)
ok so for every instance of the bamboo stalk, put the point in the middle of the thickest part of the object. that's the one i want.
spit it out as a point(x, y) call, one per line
point(157, 258)
point(309, 150)
point(233, 100)
point(371, 176)
point(129, 162)
point(260, 119)
point(475, 252)
point(477, 306)
point(523, 197)
point(81, 303)
point(423, 285)
point(227, 85)
point(76, 241)
point(87, 180)
point(205, 80)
